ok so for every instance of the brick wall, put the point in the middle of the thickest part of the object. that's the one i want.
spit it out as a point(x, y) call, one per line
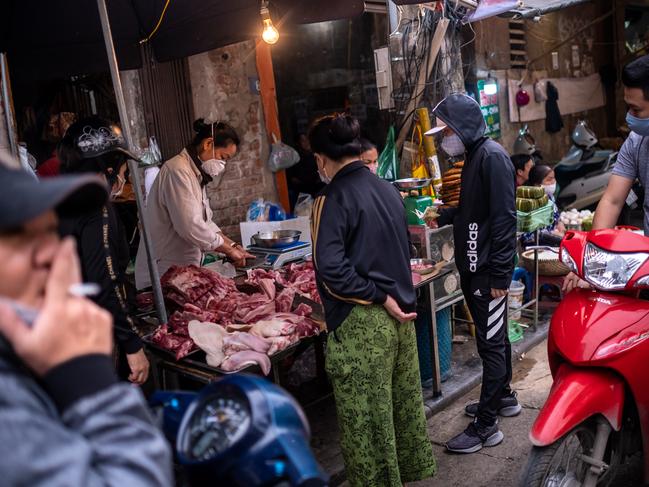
point(221, 91)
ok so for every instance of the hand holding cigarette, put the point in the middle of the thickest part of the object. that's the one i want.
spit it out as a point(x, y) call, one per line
point(67, 326)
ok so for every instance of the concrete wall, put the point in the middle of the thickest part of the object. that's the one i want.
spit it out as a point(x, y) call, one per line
point(220, 90)
point(492, 53)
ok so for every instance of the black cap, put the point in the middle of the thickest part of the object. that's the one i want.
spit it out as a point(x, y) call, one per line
point(23, 197)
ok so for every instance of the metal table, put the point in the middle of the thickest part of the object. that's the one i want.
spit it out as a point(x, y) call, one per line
point(427, 286)
point(168, 371)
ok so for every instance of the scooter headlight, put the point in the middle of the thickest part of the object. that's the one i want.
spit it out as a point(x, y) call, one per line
point(567, 259)
point(610, 271)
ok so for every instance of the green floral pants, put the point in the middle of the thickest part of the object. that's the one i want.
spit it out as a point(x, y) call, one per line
point(373, 366)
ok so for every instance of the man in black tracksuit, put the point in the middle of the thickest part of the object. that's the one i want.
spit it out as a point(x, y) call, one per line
point(484, 227)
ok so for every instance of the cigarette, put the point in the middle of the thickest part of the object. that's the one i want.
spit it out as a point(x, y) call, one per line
point(29, 315)
point(84, 289)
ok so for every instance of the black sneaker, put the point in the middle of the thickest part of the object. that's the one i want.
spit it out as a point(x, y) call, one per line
point(508, 407)
point(475, 437)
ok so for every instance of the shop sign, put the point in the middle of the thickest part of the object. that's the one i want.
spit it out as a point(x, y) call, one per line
point(490, 110)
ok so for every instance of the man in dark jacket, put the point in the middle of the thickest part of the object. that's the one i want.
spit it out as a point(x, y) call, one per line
point(64, 417)
point(95, 146)
point(485, 244)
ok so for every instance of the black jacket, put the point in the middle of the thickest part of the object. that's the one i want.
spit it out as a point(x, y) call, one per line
point(88, 231)
point(360, 244)
point(484, 224)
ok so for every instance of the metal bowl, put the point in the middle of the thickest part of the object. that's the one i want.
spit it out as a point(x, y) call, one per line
point(427, 262)
point(412, 183)
point(276, 239)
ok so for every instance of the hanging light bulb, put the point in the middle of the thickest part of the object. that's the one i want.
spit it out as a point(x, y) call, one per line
point(270, 34)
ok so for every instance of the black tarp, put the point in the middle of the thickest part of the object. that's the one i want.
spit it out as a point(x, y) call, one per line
point(55, 38)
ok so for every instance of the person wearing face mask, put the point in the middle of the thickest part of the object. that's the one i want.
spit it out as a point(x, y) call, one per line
point(361, 256)
point(484, 227)
point(178, 211)
point(632, 160)
point(542, 175)
point(370, 155)
point(95, 145)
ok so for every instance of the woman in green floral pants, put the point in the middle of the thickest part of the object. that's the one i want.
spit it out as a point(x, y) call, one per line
point(361, 256)
point(375, 374)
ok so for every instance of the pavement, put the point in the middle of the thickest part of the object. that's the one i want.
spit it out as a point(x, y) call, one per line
point(498, 466)
point(457, 391)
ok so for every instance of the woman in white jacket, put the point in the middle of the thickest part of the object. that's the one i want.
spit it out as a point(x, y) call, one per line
point(178, 212)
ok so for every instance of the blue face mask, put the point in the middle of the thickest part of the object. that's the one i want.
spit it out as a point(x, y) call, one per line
point(639, 125)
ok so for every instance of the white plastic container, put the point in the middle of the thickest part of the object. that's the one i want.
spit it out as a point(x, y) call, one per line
point(516, 291)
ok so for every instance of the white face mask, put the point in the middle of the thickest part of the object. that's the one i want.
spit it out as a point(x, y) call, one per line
point(214, 167)
point(120, 188)
point(323, 174)
point(452, 145)
point(550, 189)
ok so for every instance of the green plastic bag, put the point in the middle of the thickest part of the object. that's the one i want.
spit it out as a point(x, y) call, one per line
point(388, 161)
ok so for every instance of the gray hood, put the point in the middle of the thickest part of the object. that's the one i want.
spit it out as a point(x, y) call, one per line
point(463, 115)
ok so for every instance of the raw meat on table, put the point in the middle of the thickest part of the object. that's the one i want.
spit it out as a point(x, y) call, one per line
point(174, 343)
point(227, 322)
point(242, 359)
point(240, 341)
point(285, 299)
point(188, 284)
point(282, 343)
point(210, 338)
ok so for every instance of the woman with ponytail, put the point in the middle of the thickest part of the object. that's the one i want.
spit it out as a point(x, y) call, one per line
point(361, 255)
point(178, 209)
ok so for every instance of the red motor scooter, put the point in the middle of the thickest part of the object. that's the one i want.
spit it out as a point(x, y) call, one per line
point(597, 413)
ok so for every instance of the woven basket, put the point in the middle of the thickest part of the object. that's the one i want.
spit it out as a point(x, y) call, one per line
point(547, 266)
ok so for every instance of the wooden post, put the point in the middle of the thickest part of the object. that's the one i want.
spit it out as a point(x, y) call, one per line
point(271, 115)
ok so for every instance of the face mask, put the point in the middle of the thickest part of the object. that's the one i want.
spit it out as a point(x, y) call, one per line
point(323, 175)
point(452, 145)
point(120, 188)
point(550, 189)
point(214, 167)
point(639, 125)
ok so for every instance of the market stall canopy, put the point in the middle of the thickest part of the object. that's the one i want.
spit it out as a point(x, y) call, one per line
point(526, 8)
point(533, 8)
point(55, 38)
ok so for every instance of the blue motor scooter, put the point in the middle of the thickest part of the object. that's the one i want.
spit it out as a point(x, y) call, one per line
point(239, 431)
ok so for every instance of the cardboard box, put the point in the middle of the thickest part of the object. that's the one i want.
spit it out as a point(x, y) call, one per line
point(302, 224)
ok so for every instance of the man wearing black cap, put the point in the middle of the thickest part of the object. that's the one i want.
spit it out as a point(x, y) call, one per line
point(64, 418)
point(95, 145)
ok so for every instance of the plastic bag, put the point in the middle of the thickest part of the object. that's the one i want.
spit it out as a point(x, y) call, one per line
point(303, 205)
point(388, 161)
point(282, 156)
point(265, 211)
point(151, 156)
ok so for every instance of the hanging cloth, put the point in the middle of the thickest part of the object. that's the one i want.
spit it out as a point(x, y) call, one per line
point(553, 121)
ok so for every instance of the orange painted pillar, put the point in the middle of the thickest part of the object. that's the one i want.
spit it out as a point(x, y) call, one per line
point(271, 116)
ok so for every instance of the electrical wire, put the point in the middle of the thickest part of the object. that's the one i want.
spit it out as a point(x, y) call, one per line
point(155, 29)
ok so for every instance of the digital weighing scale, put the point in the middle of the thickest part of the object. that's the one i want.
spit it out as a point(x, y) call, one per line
point(277, 257)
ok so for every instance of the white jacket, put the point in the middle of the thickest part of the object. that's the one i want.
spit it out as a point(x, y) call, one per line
point(179, 219)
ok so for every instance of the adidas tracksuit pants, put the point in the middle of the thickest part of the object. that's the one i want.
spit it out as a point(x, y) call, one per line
point(491, 325)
